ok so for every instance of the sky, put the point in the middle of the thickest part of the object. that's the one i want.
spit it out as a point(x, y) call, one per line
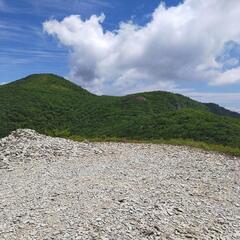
point(112, 47)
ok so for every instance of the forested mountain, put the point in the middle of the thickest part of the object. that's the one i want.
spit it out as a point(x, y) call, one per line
point(53, 105)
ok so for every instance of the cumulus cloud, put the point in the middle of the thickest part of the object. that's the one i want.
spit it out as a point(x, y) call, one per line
point(228, 77)
point(178, 44)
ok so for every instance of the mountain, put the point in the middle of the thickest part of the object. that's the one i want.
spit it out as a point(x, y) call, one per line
point(53, 105)
point(214, 108)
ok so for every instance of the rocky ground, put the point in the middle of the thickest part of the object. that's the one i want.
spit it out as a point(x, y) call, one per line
point(51, 188)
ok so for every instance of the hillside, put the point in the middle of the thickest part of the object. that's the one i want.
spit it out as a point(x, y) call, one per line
point(53, 105)
point(214, 108)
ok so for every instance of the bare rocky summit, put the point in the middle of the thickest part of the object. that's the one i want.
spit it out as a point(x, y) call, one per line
point(52, 188)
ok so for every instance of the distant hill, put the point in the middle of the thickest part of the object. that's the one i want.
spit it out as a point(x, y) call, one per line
point(53, 105)
point(214, 108)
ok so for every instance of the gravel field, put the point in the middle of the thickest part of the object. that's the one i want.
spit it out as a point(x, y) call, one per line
point(52, 188)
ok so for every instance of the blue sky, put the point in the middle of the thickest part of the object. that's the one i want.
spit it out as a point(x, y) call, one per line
point(25, 49)
point(168, 42)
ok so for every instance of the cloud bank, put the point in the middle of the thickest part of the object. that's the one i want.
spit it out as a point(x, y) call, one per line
point(179, 44)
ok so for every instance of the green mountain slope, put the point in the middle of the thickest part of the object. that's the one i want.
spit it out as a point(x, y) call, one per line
point(51, 104)
point(214, 108)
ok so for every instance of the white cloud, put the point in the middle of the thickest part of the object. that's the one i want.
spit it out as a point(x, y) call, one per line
point(179, 44)
point(227, 77)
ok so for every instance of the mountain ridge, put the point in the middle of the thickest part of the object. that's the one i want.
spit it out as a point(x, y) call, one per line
point(51, 104)
point(44, 77)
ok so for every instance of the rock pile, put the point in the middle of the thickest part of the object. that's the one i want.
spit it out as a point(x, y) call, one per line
point(52, 188)
point(24, 145)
